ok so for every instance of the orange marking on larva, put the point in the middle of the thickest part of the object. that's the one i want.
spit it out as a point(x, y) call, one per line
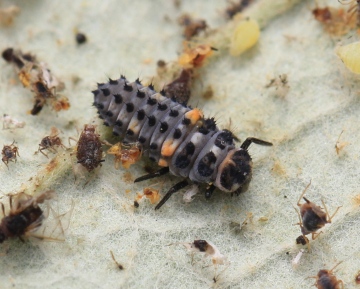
point(168, 149)
point(134, 126)
point(194, 115)
point(163, 163)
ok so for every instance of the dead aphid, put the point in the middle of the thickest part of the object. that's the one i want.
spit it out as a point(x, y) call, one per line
point(150, 193)
point(35, 76)
point(80, 38)
point(281, 85)
point(11, 123)
point(194, 57)
point(121, 267)
point(179, 88)
point(50, 142)
point(336, 21)
point(340, 145)
point(357, 278)
point(192, 27)
point(10, 153)
point(89, 152)
point(17, 58)
point(303, 240)
point(312, 217)
point(25, 215)
point(210, 250)
point(236, 7)
point(8, 14)
point(326, 279)
point(296, 261)
point(126, 154)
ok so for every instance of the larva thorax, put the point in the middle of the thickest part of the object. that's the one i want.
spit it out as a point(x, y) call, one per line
point(173, 135)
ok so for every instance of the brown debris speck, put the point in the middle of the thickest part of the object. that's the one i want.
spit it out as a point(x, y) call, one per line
point(192, 27)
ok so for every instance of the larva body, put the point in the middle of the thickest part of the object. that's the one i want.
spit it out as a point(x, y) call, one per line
point(174, 135)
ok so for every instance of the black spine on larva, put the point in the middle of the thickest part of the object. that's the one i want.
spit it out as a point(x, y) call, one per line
point(169, 133)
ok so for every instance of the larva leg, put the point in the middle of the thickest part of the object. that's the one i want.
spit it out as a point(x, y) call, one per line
point(173, 190)
point(159, 173)
point(245, 145)
point(209, 191)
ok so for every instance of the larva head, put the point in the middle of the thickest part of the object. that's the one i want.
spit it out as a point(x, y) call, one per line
point(235, 171)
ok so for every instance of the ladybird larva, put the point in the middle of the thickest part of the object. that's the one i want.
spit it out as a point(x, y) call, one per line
point(175, 136)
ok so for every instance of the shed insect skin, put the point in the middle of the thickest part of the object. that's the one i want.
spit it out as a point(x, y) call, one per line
point(325, 279)
point(25, 215)
point(9, 153)
point(312, 218)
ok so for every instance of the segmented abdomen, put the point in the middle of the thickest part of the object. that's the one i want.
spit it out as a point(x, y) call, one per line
point(169, 133)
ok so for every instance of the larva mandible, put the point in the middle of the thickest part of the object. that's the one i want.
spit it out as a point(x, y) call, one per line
point(175, 136)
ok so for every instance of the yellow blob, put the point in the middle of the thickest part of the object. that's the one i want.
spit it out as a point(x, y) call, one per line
point(245, 36)
point(194, 115)
point(350, 55)
point(163, 163)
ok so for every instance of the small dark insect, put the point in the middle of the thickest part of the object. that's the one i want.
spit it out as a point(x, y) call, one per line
point(89, 150)
point(209, 249)
point(35, 76)
point(312, 218)
point(9, 153)
point(179, 88)
point(25, 215)
point(236, 7)
point(136, 204)
point(50, 142)
point(325, 279)
point(192, 27)
point(121, 267)
point(80, 38)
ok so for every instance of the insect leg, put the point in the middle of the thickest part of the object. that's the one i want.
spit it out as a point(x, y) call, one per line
point(245, 145)
point(159, 173)
point(173, 190)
